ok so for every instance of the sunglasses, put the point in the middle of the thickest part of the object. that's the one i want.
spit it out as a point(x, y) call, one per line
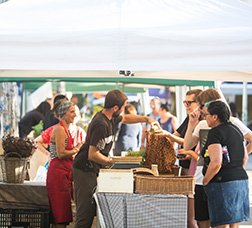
point(188, 103)
point(206, 104)
point(202, 106)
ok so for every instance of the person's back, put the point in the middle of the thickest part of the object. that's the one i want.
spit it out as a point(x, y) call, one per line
point(32, 118)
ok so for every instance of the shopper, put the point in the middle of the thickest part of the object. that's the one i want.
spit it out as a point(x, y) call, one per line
point(225, 180)
point(197, 133)
point(32, 118)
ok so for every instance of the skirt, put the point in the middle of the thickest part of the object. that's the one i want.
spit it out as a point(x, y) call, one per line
point(228, 202)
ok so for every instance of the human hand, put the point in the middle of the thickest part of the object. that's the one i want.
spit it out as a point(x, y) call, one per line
point(205, 182)
point(194, 116)
point(156, 127)
point(183, 154)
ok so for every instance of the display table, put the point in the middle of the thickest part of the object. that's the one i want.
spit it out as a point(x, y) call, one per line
point(140, 210)
point(26, 195)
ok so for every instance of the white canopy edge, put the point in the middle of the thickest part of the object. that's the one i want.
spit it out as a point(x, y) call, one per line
point(43, 75)
point(183, 39)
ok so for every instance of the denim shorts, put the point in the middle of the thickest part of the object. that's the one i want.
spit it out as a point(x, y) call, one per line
point(228, 202)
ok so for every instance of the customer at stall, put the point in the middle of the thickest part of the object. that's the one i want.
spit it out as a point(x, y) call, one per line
point(130, 135)
point(32, 118)
point(59, 175)
point(225, 180)
point(154, 114)
point(167, 121)
point(94, 153)
point(197, 133)
point(191, 105)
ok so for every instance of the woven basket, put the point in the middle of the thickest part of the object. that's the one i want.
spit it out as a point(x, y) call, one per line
point(164, 185)
point(13, 169)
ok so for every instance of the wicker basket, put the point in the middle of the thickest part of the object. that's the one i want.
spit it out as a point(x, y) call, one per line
point(13, 168)
point(164, 185)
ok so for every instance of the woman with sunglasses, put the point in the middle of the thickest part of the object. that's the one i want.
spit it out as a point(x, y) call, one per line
point(225, 180)
point(197, 132)
point(178, 136)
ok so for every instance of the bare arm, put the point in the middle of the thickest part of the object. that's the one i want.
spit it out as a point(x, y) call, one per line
point(130, 118)
point(175, 137)
point(215, 154)
point(95, 155)
point(191, 153)
point(190, 140)
point(248, 138)
point(60, 136)
point(245, 158)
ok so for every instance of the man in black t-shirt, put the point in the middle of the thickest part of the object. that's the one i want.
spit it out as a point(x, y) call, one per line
point(94, 153)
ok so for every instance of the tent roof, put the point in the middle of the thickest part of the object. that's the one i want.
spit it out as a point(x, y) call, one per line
point(184, 39)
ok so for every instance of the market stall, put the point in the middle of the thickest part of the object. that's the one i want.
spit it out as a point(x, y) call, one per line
point(141, 210)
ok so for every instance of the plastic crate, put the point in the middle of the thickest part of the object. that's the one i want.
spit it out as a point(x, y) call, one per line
point(25, 218)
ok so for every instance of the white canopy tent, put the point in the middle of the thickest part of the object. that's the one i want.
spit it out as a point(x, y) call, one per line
point(184, 39)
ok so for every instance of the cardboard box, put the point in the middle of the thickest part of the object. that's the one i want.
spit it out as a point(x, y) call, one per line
point(115, 180)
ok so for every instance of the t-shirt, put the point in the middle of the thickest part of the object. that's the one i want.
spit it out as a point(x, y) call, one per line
point(202, 125)
point(100, 134)
point(182, 130)
point(231, 140)
point(183, 127)
point(30, 119)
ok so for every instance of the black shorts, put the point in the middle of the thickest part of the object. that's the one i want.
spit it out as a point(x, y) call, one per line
point(200, 204)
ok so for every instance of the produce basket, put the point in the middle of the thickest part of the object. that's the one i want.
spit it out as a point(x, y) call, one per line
point(164, 184)
point(13, 168)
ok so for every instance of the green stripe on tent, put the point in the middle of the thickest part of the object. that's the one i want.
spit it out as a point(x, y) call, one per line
point(168, 82)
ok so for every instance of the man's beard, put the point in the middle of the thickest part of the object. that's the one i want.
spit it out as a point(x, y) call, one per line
point(116, 114)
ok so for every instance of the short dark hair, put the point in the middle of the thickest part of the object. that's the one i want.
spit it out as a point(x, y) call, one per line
point(165, 107)
point(58, 97)
point(220, 109)
point(115, 97)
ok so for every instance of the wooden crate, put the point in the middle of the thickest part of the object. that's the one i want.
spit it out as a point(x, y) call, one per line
point(115, 180)
point(164, 184)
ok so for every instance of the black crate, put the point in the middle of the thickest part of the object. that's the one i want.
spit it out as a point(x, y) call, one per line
point(24, 218)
